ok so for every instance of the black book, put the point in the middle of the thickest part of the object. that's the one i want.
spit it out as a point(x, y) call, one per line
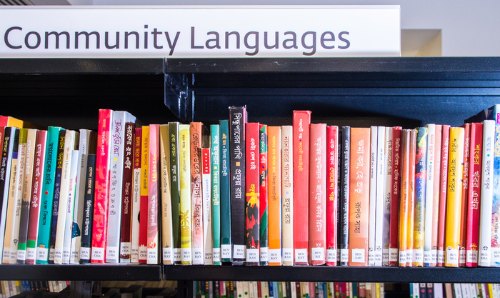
point(88, 210)
point(343, 231)
point(57, 192)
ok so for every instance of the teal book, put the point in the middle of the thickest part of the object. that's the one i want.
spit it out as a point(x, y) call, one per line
point(215, 158)
point(225, 199)
point(45, 219)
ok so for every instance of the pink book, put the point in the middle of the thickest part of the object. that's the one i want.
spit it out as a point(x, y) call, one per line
point(152, 234)
point(332, 153)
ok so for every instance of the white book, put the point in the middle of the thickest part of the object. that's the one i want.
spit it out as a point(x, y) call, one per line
point(438, 132)
point(379, 211)
point(68, 230)
point(287, 195)
point(117, 142)
point(386, 228)
point(79, 197)
point(69, 146)
point(485, 228)
point(7, 179)
point(206, 186)
point(373, 195)
point(438, 290)
point(429, 193)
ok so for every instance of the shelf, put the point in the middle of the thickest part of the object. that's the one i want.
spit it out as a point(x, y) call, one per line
point(81, 272)
point(323, 273)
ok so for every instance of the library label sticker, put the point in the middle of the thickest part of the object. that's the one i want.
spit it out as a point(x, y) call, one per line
point(200, 31)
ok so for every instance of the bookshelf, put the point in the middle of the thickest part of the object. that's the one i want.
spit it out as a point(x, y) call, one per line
point(350, 91)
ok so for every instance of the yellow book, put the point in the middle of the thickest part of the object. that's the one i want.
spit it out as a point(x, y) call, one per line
point(144, 191)
point(185, 193)
point(411, 199)
point(11, 121)
point(404, 199)
point(454, 196)
point(166, 201)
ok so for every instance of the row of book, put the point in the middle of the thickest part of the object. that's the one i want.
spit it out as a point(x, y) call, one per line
point(9, 288)
point(246, 193)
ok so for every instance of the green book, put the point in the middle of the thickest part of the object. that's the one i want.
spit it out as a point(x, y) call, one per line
point(225, 199)
point(45, 218)
point(173, 133)
point(215, 171)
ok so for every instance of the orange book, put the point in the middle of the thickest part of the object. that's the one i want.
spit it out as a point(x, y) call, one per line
point(196, 194)
point(411, 198)
point(317, 194)
point(405, 196)
point(274, 194)
point(359, 194)
point(11, 121)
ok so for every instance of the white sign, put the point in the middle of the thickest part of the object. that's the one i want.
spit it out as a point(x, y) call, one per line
point(199, 31)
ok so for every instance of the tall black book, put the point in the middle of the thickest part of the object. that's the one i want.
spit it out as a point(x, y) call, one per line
point(343, 231)
point(237, 120)
point(173, 132)
point(88, 210)
point(57, 193)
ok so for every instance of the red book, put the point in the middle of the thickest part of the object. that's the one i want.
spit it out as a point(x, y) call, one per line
point(317, 194)
point(36, 193)
point(252, 193)
point(101, 194)
point(153, 186)
point(332, 153)
point(301, 124)
point(125, 229)
point(443, 192)
point(465, 194)
point(395, 196)
point(474, 194)
point(136, 202)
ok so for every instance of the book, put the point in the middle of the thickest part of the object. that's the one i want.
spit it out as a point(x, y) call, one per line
point(153, 228)
point(454, 196)
point(126, 199)
point(474, 194)
point(185, 193)
point(344, 202)
point(69, 226)
point(373, 195)
point(36, 193)
point(411, 200)
point(100, 217)
point(274, 195)
point(395, 196)
point(420, 197)
point(237, 140)
point(196, 193)
point(485, 218)
point(263, 197)
point(86, 243)
point(8, 142)
point(144, 201)
point(443, 186)
point(252, 188)
point(47, 195)
point(301, 124)
point(386, 222)
point(464, 196)
point(287, 206)
point(136, 197)
point(167, 233)
point(11, 122)
point(359, 197)
point(26, 196)
point(225, 200)
point(215, 192)
point(57, 194)
point(332, 189)
point(404, 206)
point(173, 130)
point(207, 206)
point(317, 194)
point(435, 196)
point(380, 196)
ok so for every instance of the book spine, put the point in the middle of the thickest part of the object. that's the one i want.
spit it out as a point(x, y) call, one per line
point(274, 194)
point(435, 195)
point(252, 194)
point(47, 195)
point(495, 224)
point(100, 218)
point(420, 191)
point(454, 197)
point(88, 210)
point(136, 197)
point(373, 195)
point(65, 197)
point(487, 169)
point(465, 195)
point(287, 194)
point(215, 182)
point(167, 233)
point(443, 187)
point(301, 124)
point(196, 193)
point(9, 166)
point(332, 152)
point(36, 192)
point(153, 205)
point(359, 197)
point(405, 196)
point(173, 130)
point(237, 120)
point(317, 194)
point(185, 193)
point(395, 196)
point(6, 148)
point(225, 201)
point(68, 227)
point(126, 210)
point(207, 207)
point(411, 201)
point(144, 201)
point(26, 196)
point(379, 209)
point(388, 148)
point(344, 203)
point(263, 198)
point(474, 194)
